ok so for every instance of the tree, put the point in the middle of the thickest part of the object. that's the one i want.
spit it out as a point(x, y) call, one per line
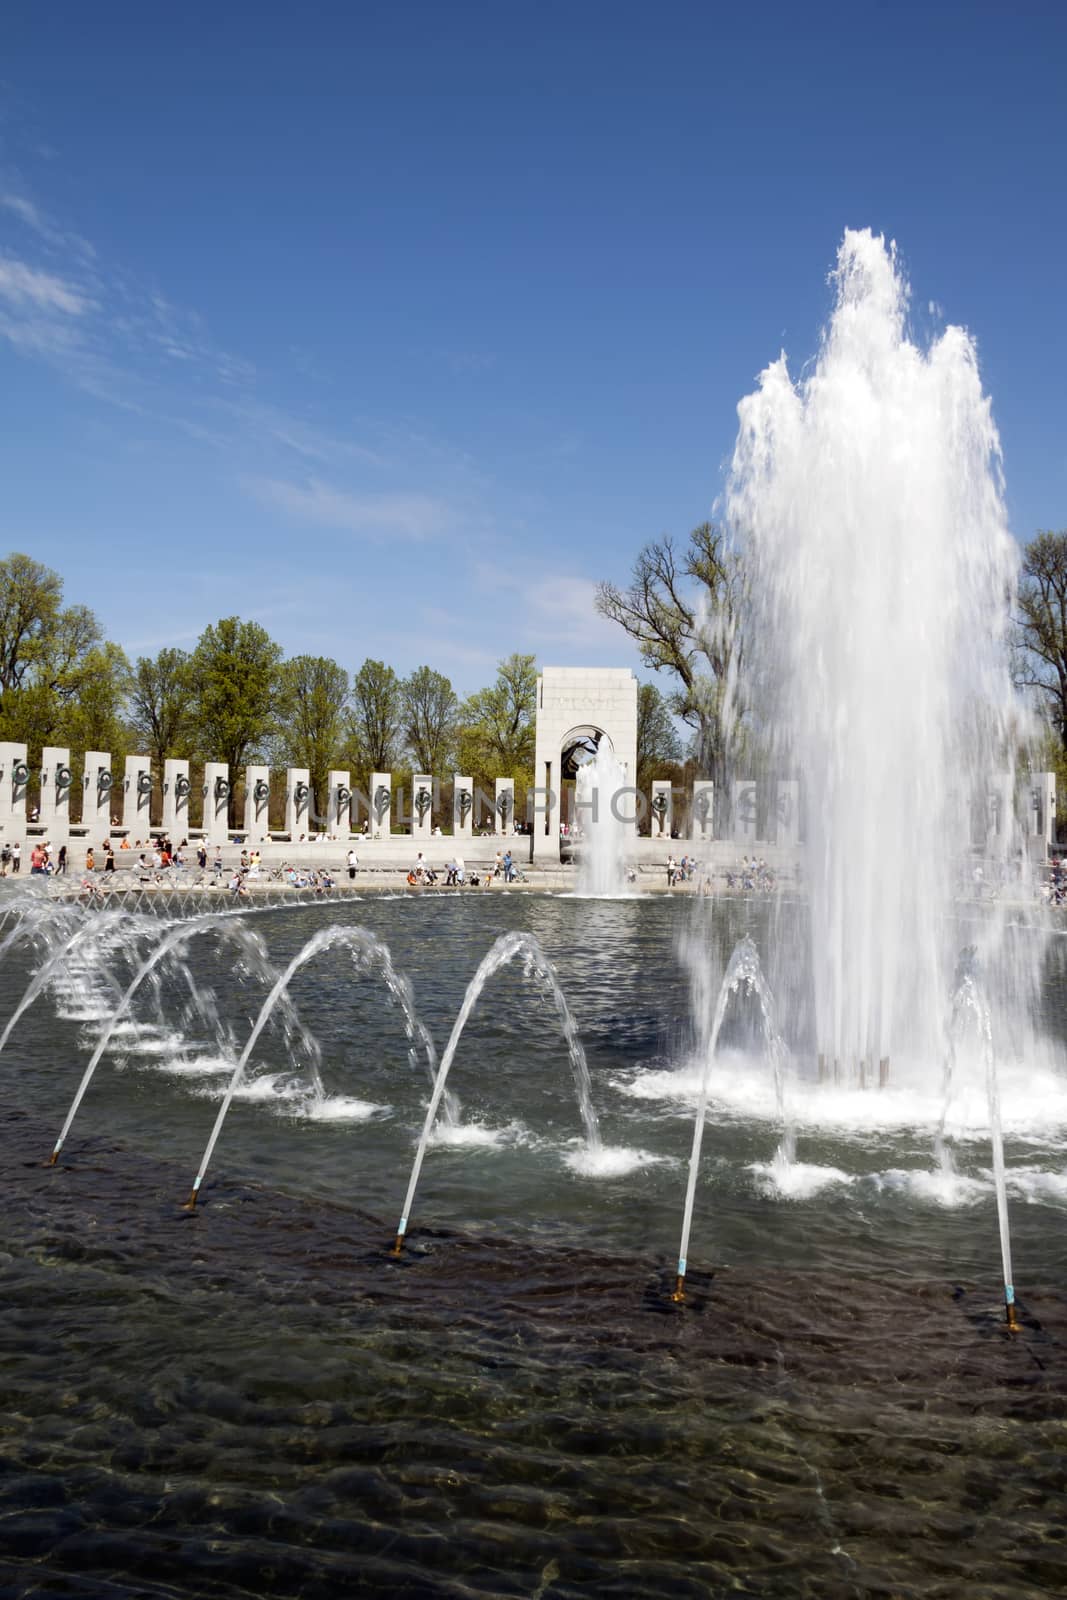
point(682, 611)
point(430, 709)
point(161, 689)
point(234, 671)
point(30, 596)
point(312, 699)
point(52, 659)
point(375, 721)
point(1041, 627)
point(658, 743)
point(95, 719)
point(497, 724)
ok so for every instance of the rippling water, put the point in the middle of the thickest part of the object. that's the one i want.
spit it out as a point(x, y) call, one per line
point(256, 1400)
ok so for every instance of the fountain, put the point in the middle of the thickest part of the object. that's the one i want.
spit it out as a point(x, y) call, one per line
point(868, 500)
point(601, 856)
point(533, 1328)
point(507, 948)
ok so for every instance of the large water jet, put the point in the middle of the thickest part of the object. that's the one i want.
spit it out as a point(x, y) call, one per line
point(868, 500)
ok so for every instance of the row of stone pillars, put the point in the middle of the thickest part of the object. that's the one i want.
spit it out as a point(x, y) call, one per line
point(130, 808)
point(832, 1070)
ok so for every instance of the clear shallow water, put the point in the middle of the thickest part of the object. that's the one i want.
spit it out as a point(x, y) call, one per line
point(255, 1399)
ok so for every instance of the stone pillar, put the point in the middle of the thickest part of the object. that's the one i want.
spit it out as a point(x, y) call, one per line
point(462, 806)
point(176, 791)
point(216, 822)
point(339, 804)
point(381, 805)
point(787, 811)
point(96, 795)
point(702, 812)
point(1042, 824)
point(1000, 804)
point(14, 782)
point(746, 811)
point(257, 805)
point(56, 780)
point(504, 809)
point(297, 802)
point(137, 799)
point(421, 805)
point(662, 810)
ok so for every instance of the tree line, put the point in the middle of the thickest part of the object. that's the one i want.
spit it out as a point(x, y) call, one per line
point(236, 698)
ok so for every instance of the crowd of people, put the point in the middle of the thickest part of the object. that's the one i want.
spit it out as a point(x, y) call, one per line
point(422, 874)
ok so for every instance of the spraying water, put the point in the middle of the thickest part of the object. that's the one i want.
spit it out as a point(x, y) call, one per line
point(506, 948)
point(368, 955)
point(96, 931)
point(970, 1010)
point(247, 940)
point(742, 968)
point(601, 860)
point(868, 500)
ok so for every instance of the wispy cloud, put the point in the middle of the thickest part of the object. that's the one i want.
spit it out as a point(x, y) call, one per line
point(33, 218)
point(409, 515)
point(24, 286)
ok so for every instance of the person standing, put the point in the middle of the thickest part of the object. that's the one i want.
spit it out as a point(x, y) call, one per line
point(109, 857)
point(90, 860)
point(61, 860)
point(352, 864)
point(16, 855)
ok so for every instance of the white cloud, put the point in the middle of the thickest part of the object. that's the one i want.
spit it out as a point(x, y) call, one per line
point(34, 218)
point(28, 288)
point(411, 515)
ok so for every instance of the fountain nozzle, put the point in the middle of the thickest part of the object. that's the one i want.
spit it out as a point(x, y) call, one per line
point(1011, 1316)
point(398, 1245)
point(190, 1204)
point(678, 1292)
point(53, 1158)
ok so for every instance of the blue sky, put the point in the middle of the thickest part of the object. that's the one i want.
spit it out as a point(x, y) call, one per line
point(396, 327)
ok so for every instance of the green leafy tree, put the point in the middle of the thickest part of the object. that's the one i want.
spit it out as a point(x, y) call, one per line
point(658, 744)
point(57, 674)
point(682, 610)
point(234, 671)
point(96, 719)
point(312, 705)
point(497, 728)
point(161, 713)
point(1041, 627)
point(375, 721)
point(429, 720)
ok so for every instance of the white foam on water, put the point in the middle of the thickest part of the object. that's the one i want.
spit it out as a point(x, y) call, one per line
point(1036, 1186)
point(1033, 1098)
point(272, 1088)
point(611, 1161)
point(163, 1044)
point(475, 1135)
point(950, 1190)
point(342, 1108)
point(129, 1028)
point(197, 1066)
point(795, 1180)
point(579, 894)
point(84, 1012)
